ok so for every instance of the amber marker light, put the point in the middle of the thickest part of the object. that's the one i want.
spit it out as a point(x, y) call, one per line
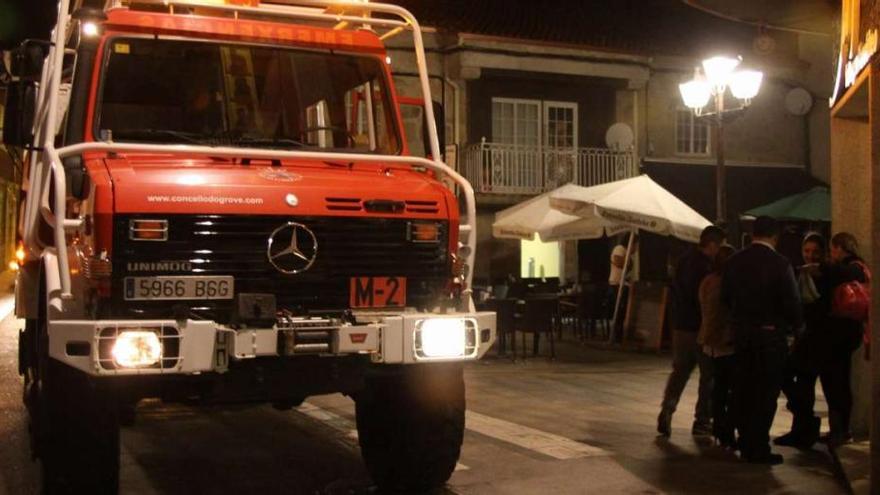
point(148, 230)
point(424, 232)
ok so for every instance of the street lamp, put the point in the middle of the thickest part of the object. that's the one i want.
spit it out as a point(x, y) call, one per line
point(719, 73)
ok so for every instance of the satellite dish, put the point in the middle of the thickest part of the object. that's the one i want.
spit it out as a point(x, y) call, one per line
point(798, 101)
point(619, 136)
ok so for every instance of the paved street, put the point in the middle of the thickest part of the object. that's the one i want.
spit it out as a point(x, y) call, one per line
point(583, 424)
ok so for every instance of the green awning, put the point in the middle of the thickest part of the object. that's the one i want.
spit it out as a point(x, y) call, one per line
point(813, 205)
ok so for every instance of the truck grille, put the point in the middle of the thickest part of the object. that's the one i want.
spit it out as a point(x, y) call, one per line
point(236, 246)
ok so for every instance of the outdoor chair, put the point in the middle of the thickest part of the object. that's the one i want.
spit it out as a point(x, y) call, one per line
point(539, 316)
point(568, 315)
point(505, 314)
point(604, 302)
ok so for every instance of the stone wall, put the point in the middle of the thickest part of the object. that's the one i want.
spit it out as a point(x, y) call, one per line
point(852, 195)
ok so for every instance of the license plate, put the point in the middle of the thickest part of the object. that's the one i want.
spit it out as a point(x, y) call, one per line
point(377, 292)
point(172, 288)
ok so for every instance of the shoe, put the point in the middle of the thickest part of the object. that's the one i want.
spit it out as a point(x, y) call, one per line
point(790, 439)
point(701, 429)
point(836, 439)
point(768, 459)
point(801, 436)
point(664, 423)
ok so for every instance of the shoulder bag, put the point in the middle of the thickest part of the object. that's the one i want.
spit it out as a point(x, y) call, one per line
point(852, 299)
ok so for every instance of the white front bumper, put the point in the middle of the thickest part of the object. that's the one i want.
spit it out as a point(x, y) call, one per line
point(205, 346)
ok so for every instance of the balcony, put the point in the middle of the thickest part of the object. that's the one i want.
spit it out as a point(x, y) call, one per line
point(495, 168)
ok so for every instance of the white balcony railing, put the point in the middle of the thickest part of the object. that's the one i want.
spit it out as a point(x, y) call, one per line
point(511, 169)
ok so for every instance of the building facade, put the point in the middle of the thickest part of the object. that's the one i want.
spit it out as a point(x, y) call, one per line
point(855, 180)
point(532, 92)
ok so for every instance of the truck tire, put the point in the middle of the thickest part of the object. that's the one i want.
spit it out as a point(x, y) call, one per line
point(75, 428)
point(81, 449)
point(410, 424)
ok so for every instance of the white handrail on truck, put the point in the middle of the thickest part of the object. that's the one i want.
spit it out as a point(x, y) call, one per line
point(51, 167)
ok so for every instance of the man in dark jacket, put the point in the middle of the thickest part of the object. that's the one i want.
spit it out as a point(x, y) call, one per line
point(686, 353)
point(760, 289)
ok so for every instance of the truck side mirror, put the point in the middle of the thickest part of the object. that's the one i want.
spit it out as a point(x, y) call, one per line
point(27, 60)
point(18, 115)
point(440, 119)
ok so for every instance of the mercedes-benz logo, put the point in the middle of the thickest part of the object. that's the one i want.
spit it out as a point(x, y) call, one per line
point(292, 248)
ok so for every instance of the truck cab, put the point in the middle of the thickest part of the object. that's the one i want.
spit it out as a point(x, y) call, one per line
point(220, 206)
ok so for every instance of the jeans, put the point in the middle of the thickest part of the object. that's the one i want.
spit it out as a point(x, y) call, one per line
point(686, 355)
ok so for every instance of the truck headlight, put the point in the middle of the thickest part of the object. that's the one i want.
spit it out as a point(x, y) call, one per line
point(137, 349)
point(443, 338)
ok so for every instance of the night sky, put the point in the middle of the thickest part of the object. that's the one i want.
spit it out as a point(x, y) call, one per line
point(20, 19)
point(610, 23)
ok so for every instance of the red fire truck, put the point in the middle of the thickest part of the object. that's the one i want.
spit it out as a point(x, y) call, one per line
point(220, 206)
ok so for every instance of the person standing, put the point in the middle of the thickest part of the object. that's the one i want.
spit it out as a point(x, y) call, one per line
point(759, 288)
point(616, 277)
point(809, 354)
point(845, 336)
point(686, 354)
point(716, 340)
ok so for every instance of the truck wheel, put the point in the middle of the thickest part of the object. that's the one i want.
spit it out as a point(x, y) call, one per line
point(76, 429)
point(411, 425)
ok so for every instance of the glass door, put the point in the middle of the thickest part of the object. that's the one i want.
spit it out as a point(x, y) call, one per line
point(560, 143)
point(516, 143)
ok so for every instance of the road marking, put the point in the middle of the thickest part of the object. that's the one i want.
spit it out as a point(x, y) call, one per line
point(343, 425)
point(549, 444)
point(7, 305)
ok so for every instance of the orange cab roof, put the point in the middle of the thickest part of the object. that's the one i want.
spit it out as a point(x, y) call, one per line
point(123, 20)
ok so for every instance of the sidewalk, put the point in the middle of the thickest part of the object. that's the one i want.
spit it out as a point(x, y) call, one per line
point(854, 462)
point(609, 399)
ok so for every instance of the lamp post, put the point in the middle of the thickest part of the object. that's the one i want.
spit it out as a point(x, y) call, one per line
point(719, 73)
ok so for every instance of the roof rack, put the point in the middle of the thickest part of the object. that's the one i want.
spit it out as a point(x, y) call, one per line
point(351, 14)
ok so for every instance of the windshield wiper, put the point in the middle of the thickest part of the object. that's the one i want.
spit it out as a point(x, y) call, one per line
point(189, 137)
point(266, 141)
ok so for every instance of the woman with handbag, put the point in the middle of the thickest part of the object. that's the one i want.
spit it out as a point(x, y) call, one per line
point(847, 278)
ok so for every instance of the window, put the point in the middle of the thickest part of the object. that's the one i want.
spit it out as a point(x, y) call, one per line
point(414, 128)
point(163, 91)
point(534, 123)
point(560, 125)
point(691, 134)
point(516, 122)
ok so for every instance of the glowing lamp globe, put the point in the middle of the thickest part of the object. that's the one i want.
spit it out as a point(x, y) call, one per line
point(718, 70)
point(695, 93)
point(745, 84)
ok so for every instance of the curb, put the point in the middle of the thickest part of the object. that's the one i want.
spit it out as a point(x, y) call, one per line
point(852, 465)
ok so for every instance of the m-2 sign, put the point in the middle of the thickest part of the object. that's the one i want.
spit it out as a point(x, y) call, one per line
point(377, 292)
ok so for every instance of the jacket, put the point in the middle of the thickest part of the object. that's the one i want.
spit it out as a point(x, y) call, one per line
point(759, 288)
point(690, 270)
point(715, 332)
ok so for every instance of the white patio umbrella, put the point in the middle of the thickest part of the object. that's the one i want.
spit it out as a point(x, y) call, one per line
point(631, 204)
point(576, 212)
point(537, 216)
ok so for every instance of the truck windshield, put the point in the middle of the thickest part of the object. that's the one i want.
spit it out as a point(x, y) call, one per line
point(169, 91)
